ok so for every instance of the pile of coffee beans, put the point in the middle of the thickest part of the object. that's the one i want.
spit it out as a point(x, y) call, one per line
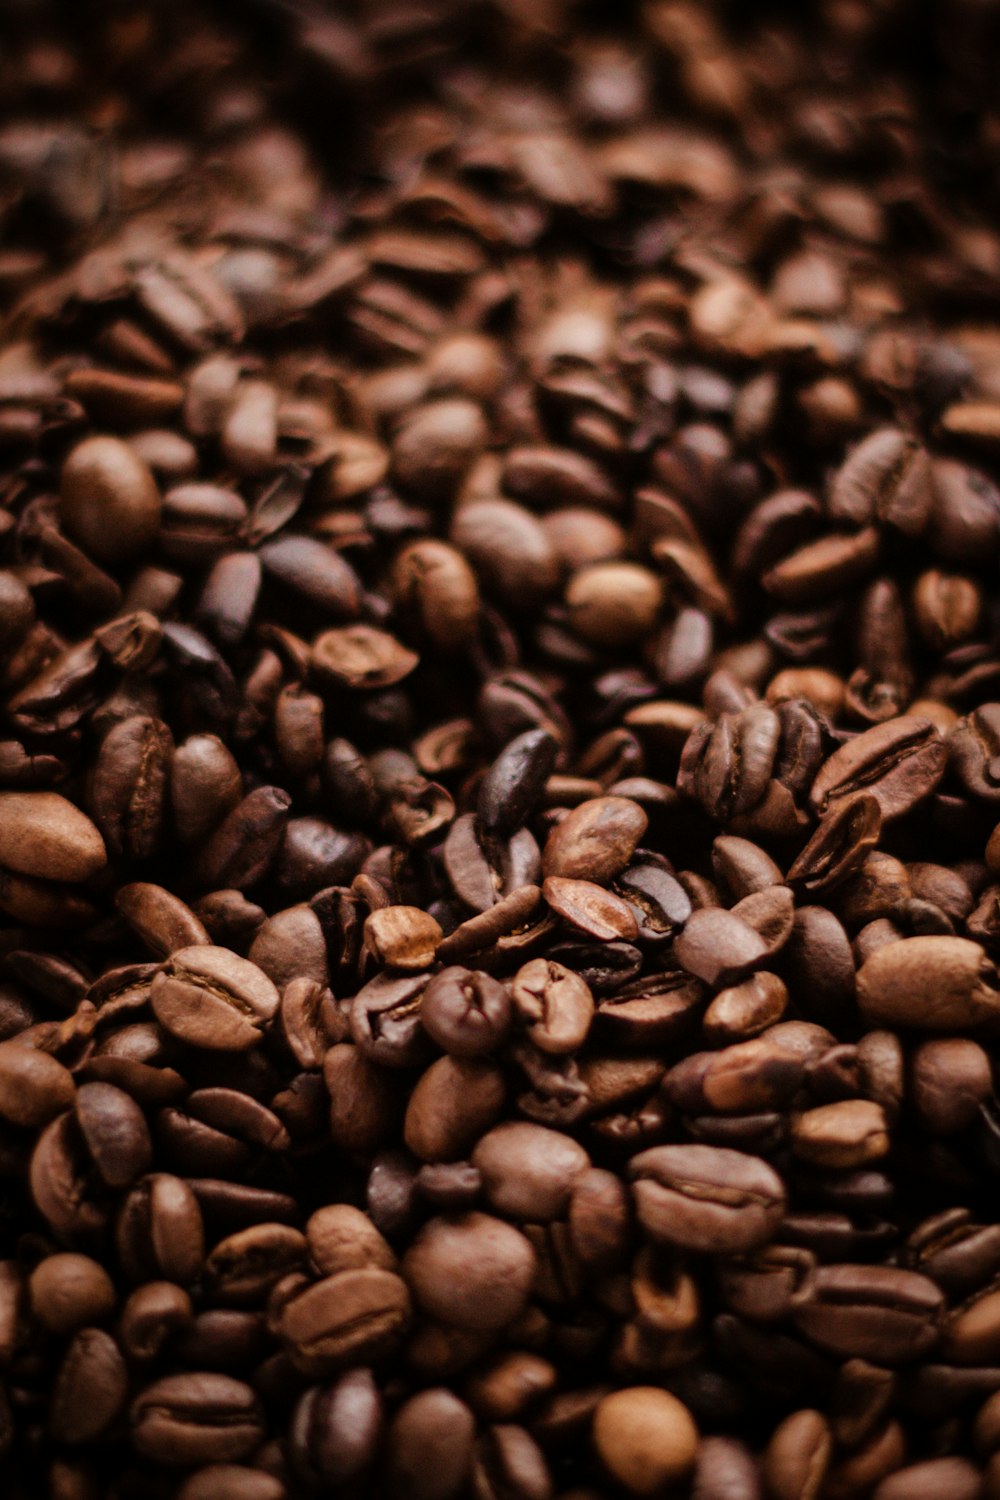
point(500, 750)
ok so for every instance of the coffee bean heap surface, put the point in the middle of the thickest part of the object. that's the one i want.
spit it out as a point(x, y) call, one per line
point(500, 750)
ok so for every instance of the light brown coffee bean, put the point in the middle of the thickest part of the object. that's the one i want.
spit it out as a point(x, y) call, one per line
point(645, 1438)
point(210, 997)
point(109, 500)
point(938, 983)
point(44, 835)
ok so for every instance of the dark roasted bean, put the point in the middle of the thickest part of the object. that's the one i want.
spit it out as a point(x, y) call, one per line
point(499, 897)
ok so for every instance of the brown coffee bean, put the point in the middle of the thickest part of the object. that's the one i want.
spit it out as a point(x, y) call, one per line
point(34, 1087)
point(510, 550)
point(403, 936)
point(880, 1313)
point(342, 1238)
point(109, 500)
point(453, 1103)
point(971, 1335)
point(468, 1013)
point(849, 1133)
point(429, 1446)
point(596, 840)
point(613, 604)
point(349, 1318)
point(706, 1198)
point(725, 1468)
point(513, 784)
point(196, 1418)
point(645, 1438)
point(44, 835)
point(436, 444)
point(361, 657)
point(160, 1232)
point(159, 918)
point(955, 1477)
point(931, 983)
point(556, 1005)
point(210, 997)
point(473, 1271)
point(433, 583)
point(798, 1456)
point(68, 1291)
point(90, 1390)
point(231, 1482)
point(898, 763)
point(744, 1010)
point(719, 947)
point(528, 1172)
point(951, 1078)
point(152, 1315)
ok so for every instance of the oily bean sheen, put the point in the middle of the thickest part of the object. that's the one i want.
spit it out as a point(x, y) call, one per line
point(500, 750)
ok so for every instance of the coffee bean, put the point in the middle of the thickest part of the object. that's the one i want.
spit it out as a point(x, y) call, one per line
point(645, 1438)
point(69, 1291)
point(210, 997)
point(429, 1446)
point(596, 840)
point(932, 983)
point(34, 1087)
point(196, 1418)
point(91, 1388)
point(454, 1102)
point(109, 499)
point(528, 1172)
point(403, 936)
point(880, 1313)
point(798, 1456)
point(467, 1012)
point(556, 1005)
point(336, 1429)
point(44, 835)
point(351, 1317)
point(231, 1482)
point(473, 1271)
point(706, 1198)
point(719, 947)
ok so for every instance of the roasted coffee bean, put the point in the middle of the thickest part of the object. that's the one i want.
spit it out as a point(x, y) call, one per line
point(706, 1198)
point(556, 1005)
point(109, 499)
point(351, 1317)
point(719, 947)
point(210, 997)
point(596, 840)
point(454, 1102)
point(429, 1446)
point(879, 1313)
point(502, 712)
point(467, 1012)
point(645, 1438)
point(68, 1291)
point(90, 1390)
point(336, 1429)
point(931, 983)
point(196, 1418)
point(473, 1271)
point(45, 836)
